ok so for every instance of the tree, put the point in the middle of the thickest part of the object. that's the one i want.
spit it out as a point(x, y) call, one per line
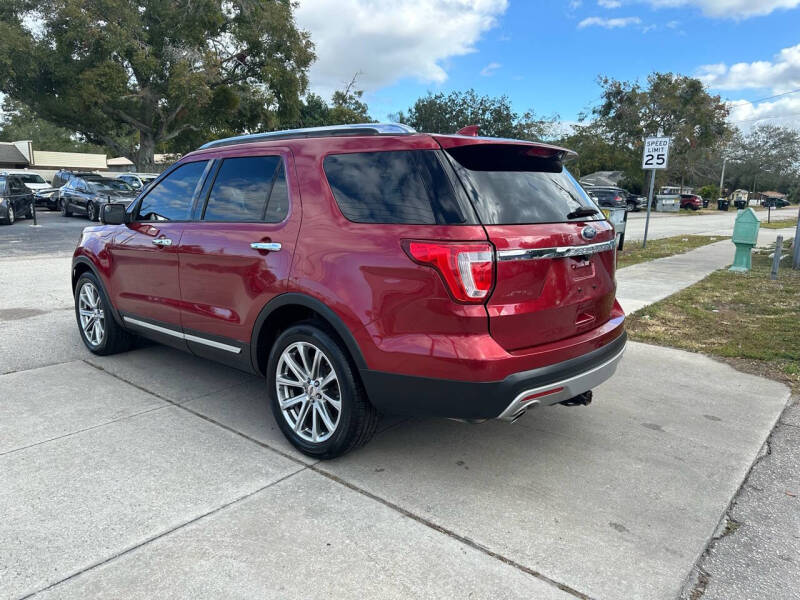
point(596, 152)
point(440, 113)
point(154, 71)
point(676, 106)
point(766, 158)
point(346, 107)
point(19, 123)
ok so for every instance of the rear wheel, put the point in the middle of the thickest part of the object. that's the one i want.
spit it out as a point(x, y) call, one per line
point(316, 395)
point(99, 331)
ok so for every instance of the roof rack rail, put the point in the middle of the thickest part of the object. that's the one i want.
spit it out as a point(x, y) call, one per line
point(310, 132)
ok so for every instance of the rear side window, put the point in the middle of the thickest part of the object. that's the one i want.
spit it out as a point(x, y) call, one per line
point(509, 186)
point(246, 188)
point(171, 199)
point(406, 186)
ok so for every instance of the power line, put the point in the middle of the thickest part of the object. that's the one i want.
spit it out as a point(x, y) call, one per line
point(743, 102)
point(764, 118)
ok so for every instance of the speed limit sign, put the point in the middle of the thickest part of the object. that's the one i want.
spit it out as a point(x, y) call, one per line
point(656, 151)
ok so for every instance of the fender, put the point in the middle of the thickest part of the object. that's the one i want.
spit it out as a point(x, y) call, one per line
point(84, 260)
point(297, 299)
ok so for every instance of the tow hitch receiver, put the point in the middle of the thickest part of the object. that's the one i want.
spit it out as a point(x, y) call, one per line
point(584, 399)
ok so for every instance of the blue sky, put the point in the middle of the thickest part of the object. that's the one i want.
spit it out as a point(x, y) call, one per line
point(547, 54)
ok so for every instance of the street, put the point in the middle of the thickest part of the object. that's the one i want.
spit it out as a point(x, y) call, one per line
point(156, 473)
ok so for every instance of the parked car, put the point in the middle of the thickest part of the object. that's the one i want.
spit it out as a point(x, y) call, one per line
point(433, 275)
point(138, 181)
point(774, 202)
point(16, 200)
point(691, 201)
point(87, 195)
point(613, 197)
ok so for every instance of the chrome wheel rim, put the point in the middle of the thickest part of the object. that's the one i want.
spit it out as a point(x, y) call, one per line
point(92, 315)
point(91, 211)
point(10, 213)
point(308, 390)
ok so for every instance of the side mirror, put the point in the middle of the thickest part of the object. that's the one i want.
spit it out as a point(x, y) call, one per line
point(114, 214)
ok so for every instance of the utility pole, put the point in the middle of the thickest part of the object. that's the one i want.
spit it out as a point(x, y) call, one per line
point(722, 178)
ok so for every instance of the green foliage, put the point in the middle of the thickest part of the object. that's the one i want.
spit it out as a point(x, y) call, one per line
point(709, 191)
point(346, 107)
point(440, 113)
point(136, 75)
point(675, 105)
point(19, 123)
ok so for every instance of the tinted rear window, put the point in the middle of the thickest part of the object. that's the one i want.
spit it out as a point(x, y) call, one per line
point(406, 186)
point(507, 186)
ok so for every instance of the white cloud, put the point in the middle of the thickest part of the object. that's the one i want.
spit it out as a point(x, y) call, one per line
point(731, 9)
point(386, 42)
point(609, 23)
point(780, 111)
point(609, 3)
point(490, 69)
point(780, 75)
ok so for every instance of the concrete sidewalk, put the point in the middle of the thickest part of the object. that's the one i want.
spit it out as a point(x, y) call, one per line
point(648, 282)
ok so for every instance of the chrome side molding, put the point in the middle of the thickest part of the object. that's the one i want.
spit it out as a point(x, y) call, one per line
point(556, 252)
point(182, 336)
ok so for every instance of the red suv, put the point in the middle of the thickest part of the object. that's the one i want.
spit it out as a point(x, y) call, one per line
point(365, 269)
point(691, 202)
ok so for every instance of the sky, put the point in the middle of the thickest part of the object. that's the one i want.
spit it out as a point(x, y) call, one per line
point(546, 55)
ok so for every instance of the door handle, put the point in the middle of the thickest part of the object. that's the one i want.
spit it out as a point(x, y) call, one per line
point(269, 246)
point(162, 242)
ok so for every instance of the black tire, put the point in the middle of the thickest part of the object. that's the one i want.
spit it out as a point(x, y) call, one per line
point(29, 212)
point(65, 211)
point(115, 339)
point(630, 206)
point(91, 211)
point(11, 215)
point(357, 418)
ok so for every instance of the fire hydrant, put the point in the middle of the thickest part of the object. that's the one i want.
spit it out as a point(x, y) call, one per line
point(745, 236)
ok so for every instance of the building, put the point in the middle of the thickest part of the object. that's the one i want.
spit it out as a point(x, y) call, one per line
point(772, 195)
point(22, 155)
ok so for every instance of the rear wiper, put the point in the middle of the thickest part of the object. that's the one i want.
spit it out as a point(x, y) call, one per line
point(583, 211)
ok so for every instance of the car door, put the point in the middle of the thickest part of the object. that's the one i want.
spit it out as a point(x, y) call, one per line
point(237, 254)
point(144, 258)
point(19, 196)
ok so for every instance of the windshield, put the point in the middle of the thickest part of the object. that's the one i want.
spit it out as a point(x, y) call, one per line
point(111, 185)
point(508, 186)
point(32, 178)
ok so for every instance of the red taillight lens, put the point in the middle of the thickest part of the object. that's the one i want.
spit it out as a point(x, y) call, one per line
point(467, 268)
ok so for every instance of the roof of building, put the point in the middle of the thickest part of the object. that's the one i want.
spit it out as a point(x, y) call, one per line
point(10, 154)
point(119, 161)
point(602, 178)
point(69, 160)
point(773, 194)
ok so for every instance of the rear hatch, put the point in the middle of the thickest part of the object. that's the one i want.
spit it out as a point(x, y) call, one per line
point(555, 252)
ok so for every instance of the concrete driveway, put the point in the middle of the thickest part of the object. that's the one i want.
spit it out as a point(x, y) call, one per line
point(157, 474)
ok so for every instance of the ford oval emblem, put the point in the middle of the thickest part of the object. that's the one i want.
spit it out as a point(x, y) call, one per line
point(588, 232)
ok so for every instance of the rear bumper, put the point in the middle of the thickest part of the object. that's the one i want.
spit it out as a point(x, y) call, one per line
point(393, 393)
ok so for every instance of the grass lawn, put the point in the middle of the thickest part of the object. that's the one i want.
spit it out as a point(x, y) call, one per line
point(634, 253)
point(779, 224)
point(747, 319)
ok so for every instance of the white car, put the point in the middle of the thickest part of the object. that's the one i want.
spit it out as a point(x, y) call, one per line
point(138, 181)
point(32, 180)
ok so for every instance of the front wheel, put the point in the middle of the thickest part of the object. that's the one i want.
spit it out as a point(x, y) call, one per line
point(316, 395)
point(92, 212)
point(99, 331)
point(65, 210)
point(11, 216)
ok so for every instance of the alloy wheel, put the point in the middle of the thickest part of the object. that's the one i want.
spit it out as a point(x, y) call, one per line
point(92, 315)
point(308, 390)
point(11, 216)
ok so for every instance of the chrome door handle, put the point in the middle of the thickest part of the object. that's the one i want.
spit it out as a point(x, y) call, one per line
point(162, 242)
point(271, 246)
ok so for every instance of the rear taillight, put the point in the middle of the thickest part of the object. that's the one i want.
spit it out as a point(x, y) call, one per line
point(466, 268)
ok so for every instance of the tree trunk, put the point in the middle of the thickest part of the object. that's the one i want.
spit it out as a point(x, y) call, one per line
point(145, 161)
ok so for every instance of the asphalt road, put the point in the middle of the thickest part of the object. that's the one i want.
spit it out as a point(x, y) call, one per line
point(155, 473)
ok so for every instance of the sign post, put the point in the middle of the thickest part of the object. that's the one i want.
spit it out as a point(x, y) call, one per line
point(656, 153)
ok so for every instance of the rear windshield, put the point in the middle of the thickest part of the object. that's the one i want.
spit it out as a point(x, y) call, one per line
point(508, 186)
